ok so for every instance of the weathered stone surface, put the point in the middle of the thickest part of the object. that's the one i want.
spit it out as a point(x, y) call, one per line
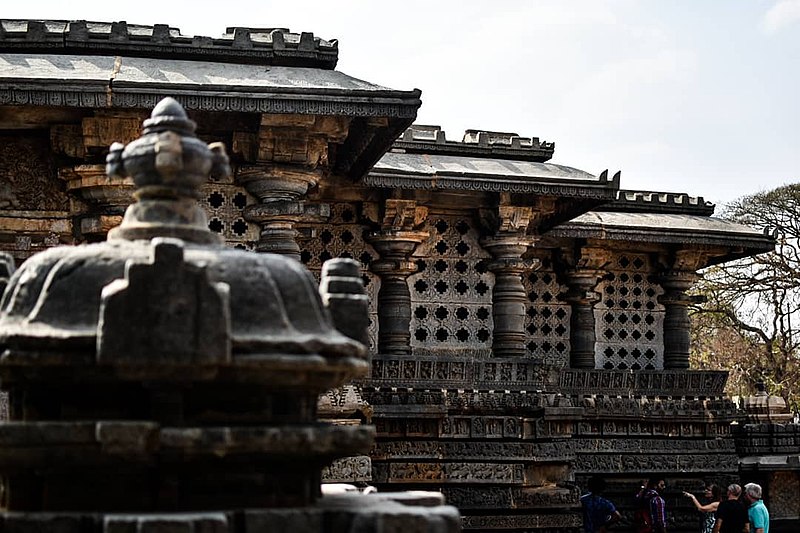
point(154, 376)
point(480, 369)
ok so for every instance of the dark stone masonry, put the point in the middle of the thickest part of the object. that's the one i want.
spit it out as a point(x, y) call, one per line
point(496, 329)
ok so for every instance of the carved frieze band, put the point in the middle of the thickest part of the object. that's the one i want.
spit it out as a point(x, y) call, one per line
point(495, 473)
point(99, 99)
point(645, 383)
point(461, 427)
point(763, 439)
point(455, 401)
point(527, 521)
point(388, 371)
point(690, 409)
point(511, 497)
point(427, 450)
point(639, 462)
point(348, 470)
point(477, 427)
point(655, 446)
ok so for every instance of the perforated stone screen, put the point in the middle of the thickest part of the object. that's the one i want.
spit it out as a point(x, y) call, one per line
point(547, 317)
point(224, 205)
point(451, 294)
point(628, 319)
point(343, 236)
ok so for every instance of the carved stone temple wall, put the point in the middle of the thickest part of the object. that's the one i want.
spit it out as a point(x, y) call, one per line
point(526, 322)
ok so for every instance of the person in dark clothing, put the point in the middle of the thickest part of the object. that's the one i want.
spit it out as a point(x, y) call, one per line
point(731, 514)
point(598, 513)
point(651, 514)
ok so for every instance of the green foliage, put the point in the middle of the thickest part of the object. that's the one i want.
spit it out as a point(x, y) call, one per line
point(750, 323)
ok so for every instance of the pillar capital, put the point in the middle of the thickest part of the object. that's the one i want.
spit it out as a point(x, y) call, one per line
point(286, 157)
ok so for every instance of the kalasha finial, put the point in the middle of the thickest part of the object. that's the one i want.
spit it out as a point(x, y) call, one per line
point(168, 164)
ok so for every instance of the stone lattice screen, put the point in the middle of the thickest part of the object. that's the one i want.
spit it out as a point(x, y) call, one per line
point(224, 204)
point(451, 293)
point(547, 317)
point(343, 236)
point(628, 318)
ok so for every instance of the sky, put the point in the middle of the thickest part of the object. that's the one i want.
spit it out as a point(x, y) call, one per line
point(696, 96)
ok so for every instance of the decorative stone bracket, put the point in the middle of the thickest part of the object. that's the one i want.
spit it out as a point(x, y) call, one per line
point(286, 158)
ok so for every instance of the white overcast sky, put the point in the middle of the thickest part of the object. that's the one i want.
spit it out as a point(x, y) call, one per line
point(697, 96)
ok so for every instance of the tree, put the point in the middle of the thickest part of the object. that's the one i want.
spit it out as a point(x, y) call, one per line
point(750, 323)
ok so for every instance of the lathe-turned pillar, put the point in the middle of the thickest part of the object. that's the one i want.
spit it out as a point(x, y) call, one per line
point(507, 246)
point(583, 274)
point(677, 338)
point(285, 159)
point(397, 239)
point(678, 277)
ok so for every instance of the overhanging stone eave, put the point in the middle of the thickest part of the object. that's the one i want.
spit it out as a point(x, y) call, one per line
point(96, 94)
point(739, 245)
point(491, 183)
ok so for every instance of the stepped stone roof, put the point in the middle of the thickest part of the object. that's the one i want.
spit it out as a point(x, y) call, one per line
point(484, 161)
point(259, 46)
point(666, 218)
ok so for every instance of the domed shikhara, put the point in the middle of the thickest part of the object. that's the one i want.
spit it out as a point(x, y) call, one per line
point(170, 367)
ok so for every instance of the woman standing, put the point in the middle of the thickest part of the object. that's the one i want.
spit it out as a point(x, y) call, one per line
point(714, 495)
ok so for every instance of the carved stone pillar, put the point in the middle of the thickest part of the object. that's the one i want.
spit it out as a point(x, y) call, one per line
point(582, 276)
point(395, 242)
point(509, 299)
point(280, 191)
point(677, 336)
point(678, 275)
point(582, 298)
point(286, 158)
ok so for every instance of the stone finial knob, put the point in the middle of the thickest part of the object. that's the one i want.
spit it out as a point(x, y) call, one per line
point(168, 160)
point(168, 164)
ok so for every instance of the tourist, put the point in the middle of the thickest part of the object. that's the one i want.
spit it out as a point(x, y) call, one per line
point(598, 513)
point(757, 513)
point(651, 515)
point(713, 496)
point(731, 514)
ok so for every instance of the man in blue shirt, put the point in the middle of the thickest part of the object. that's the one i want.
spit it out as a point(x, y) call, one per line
point(757, 512)
point(598, 513)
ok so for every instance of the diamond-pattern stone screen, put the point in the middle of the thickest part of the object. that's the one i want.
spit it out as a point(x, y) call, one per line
point(547, 317)
point(451, 293)
point(628, 318)
point(224, 205)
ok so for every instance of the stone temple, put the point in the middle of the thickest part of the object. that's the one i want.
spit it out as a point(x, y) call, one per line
point(524, 325)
